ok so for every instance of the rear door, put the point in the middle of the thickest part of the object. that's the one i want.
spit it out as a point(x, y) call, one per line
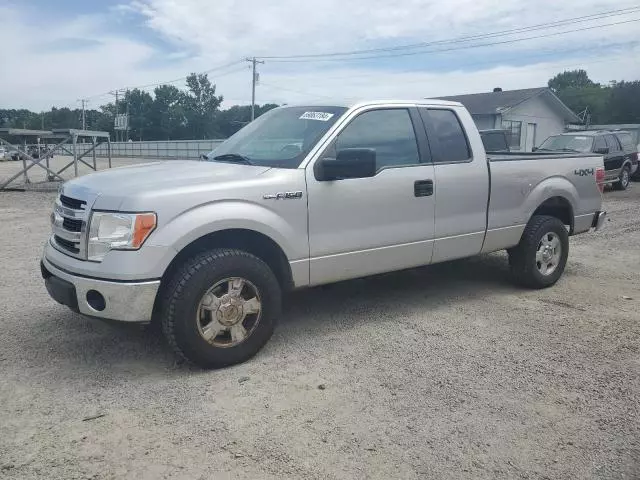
point(461, 183)
point(614, 159)
point(364, 226)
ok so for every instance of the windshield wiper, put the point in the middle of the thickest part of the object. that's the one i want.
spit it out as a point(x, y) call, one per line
point(233, 158)
point(569, 150)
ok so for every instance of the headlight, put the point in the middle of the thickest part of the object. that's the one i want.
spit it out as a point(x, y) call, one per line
point(118, 231)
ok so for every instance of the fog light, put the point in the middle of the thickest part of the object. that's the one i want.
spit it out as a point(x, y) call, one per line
point(96, 300)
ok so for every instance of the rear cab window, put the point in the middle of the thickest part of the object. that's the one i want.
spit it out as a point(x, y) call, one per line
point(451, 141)
point(494, 141)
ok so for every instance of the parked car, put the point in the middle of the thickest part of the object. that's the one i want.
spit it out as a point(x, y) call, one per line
point(3, 153)
point(207, 248)
point(495, 140)
point(35, 151)
point(631, 145)
point(618, 163)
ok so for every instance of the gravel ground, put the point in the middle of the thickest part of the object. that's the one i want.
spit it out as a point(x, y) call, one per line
point(442, 372)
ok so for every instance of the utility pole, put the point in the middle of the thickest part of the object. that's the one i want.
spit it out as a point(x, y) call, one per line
point(126, 139)
point(254, 81)
point(117, 113)
point(84, 121)
point(116, 93)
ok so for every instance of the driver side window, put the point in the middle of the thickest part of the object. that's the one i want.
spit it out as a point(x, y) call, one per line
point(389, 132)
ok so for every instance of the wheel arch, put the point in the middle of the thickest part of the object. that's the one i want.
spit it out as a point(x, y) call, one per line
point(559, 207)
point(251, 241)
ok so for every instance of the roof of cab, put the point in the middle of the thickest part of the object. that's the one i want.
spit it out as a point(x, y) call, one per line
point(587, 133)
point(368, 103)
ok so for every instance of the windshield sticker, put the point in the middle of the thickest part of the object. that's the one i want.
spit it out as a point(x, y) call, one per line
point(581, 138)
point(321, 116)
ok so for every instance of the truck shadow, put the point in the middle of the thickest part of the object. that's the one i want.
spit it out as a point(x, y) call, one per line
point(419, 288)
point(80, 347)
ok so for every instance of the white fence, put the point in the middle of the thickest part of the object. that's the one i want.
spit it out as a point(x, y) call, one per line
point(176, 149)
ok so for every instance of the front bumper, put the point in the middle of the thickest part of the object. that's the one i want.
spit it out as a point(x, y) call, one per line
point(127, 301)
point(598, 220)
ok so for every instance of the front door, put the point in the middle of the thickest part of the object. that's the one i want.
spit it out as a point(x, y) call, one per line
point(364, 226)
point(530, 141)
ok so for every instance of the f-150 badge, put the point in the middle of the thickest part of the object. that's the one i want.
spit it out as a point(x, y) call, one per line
point(283, 196)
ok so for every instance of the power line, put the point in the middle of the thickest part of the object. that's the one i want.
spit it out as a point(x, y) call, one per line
point(420, 80)
point(168, 82)
point(542, 26)
point(502, 62)
point(463, 47)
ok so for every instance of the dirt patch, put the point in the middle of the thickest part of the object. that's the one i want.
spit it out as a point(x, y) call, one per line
point(441, 372)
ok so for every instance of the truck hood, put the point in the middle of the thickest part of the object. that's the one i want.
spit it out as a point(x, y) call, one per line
point(153, 177)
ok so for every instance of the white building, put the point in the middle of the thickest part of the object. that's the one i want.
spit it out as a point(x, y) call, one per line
point(531, 115)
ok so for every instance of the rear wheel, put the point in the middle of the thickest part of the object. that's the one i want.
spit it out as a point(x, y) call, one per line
point(541, 256)
point(220, 308)
point(625, 177)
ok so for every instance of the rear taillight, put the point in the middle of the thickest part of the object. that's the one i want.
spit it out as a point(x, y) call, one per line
point(600, 178)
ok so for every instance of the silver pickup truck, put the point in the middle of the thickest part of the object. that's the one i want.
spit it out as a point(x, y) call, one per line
point(304, 196)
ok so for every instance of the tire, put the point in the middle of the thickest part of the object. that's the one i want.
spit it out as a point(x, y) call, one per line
point(625, 178)
point(529, 259)
point(192, 298)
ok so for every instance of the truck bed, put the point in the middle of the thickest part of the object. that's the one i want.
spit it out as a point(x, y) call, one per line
point(520, 182)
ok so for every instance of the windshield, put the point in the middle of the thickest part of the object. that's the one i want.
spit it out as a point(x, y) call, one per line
point(280, 138)
point(571, 143)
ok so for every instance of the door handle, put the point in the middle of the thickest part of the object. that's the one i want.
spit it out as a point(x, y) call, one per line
point(423, 188)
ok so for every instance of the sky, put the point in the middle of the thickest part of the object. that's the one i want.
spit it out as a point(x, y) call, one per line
point(60, 52)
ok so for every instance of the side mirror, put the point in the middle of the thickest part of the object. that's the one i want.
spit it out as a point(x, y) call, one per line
point(534, 149)
point(204, 157)
point(349, 163)
point(601, 151)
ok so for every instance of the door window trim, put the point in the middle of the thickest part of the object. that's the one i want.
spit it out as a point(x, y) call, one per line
point(425, 152)
point(434, 141)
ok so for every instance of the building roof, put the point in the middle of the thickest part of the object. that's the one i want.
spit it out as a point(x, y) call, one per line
point(491, 103)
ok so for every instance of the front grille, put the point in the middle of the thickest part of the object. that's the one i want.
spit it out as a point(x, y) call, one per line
point(67, 245)
point(72, 224)
point(72, 202)
point(68, 226)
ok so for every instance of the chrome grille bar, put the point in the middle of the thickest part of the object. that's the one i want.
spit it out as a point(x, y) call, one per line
point(69, 226)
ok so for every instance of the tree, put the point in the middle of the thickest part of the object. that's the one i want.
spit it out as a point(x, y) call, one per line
point(236, 117)
point(582, 95)
point(570, 79)
point(139, 104)
point(624, 102)
point(201, 106)
point(167, 113)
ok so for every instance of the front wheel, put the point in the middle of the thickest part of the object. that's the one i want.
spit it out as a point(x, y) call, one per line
point(220, 308)
point(541, 256)
point(625, 177)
